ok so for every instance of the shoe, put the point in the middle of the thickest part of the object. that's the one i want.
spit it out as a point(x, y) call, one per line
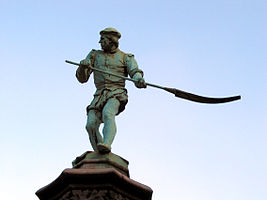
point(103, 148)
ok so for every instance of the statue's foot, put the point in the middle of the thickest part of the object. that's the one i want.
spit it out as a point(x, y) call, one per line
point(103, 148)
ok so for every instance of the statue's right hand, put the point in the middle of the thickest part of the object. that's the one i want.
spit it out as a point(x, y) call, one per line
point(85, 63)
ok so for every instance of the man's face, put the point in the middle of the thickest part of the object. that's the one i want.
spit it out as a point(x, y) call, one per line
point(105, 43)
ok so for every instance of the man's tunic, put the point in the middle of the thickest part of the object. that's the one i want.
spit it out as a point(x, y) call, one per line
point(109, 86)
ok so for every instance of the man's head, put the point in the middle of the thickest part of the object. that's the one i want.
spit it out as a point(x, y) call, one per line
point(109, 39)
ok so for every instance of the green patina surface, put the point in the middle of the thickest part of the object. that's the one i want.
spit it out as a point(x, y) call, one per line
point(110, 97)
point(95, 160)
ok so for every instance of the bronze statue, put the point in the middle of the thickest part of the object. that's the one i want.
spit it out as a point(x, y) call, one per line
point(110, 97)
point(111, 67)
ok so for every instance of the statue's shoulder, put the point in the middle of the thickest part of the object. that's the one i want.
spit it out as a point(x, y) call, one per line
point(127, 54)
point(130, 55)
point(94, 52)
point(92, 55)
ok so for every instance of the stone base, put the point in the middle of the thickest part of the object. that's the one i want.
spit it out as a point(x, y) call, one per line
point(94, 160)
point(95, 177)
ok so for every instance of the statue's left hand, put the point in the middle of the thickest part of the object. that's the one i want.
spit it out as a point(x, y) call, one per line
point(140, 83)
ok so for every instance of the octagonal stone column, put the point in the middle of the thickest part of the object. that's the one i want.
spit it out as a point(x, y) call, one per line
point(96, 177)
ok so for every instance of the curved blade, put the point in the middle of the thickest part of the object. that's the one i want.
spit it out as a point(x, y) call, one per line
point(200, 99)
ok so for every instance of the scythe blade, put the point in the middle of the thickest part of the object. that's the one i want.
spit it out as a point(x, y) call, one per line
point(200, 99)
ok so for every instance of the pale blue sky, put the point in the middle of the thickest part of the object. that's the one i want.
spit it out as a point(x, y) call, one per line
point(182, 150)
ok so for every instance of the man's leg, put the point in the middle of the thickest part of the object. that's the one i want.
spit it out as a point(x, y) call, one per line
point(92, 127)
point(109, 131)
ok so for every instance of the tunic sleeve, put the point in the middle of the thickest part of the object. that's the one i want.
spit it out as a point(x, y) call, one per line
point(132, 67)
point(83, 74)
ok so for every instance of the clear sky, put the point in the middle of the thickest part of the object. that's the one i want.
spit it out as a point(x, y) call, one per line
point(182, 150)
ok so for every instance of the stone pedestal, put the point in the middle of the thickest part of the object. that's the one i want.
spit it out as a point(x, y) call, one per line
point(95, 177)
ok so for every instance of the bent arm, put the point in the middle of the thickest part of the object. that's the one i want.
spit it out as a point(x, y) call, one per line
point(134, 72)
point(83, 72)
point(132, 67)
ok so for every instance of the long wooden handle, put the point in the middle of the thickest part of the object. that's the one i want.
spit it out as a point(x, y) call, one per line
point(176, 92)
point(102, 71)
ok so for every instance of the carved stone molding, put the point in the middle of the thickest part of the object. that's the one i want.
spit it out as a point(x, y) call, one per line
point(92, 195)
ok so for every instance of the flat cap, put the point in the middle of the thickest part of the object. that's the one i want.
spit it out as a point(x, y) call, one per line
point(110, 31)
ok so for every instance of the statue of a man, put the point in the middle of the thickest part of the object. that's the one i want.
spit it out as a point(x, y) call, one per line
point(110, 97)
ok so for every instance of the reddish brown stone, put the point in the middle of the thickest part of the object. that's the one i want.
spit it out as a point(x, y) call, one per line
point(94, 184)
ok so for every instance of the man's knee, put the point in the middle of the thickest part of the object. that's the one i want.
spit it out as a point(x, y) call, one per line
point(89, 126)
point(92, 122)
point(110, 109)
point(108, 115)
